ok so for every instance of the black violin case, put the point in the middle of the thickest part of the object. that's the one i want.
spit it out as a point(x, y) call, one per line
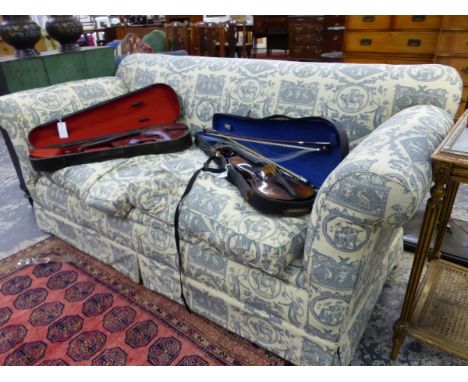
point(137, 123)
point(307, 148)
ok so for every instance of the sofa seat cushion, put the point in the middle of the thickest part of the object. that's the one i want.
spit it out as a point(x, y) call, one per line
point(216, 214)
point(104, 185)
point(88, 182)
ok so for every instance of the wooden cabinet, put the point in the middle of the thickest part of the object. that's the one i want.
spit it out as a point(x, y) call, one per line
point(410, 40)
point(453, 41)
point(305, 37)
point(308, 38)
point(416, 22)
point(414, 42)
point(316, 38)
point(368, 22)
point(450, 22)
point(452, 49)
point(459, 63)
point(391, 39)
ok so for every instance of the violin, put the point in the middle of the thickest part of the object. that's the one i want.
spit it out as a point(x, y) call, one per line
point(262, 175)
point(149, 134)
point(135, 137)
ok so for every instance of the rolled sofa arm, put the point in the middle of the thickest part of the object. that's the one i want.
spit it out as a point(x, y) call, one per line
point(22, 111)
point(357, 214)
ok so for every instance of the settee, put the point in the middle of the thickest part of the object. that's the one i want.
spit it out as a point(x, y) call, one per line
point(302, 287)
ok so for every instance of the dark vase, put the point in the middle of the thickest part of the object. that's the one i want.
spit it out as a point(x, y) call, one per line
point(66, 30)
point(22, 33)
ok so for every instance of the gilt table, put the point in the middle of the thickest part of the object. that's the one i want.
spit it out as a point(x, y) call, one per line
point(435, 311)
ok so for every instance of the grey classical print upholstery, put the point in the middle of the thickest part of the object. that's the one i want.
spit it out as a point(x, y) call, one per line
point(361, 97)
point(300, 287)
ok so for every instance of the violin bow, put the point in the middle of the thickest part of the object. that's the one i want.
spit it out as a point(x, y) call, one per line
point(322, 146)
point(257, 156)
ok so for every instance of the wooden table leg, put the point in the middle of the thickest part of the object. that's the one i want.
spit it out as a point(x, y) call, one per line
point(431, 216)
point(451, 193)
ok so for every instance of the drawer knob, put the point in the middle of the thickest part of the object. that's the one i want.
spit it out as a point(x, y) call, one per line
point(366, 41)
point(464, 70)
point(414, 42)
point(368, 19)
point(418, 18)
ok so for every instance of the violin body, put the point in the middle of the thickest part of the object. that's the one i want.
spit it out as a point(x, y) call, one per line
point(277, 163)
point(138, 123)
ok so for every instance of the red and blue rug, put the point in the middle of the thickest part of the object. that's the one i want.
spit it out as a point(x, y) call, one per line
point(59, 306)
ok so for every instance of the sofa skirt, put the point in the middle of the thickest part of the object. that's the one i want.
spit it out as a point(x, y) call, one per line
point(296, 344)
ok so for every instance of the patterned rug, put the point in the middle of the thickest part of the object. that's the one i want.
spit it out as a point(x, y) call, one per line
point(59, 306)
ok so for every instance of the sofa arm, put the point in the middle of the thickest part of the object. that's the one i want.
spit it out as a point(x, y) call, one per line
point(22, 111)
point(375, 190)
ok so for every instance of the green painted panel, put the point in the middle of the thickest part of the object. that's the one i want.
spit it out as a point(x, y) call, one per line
point(65, 67)
point(100, 62)
point(23, 74)
point(54, 67)
point(85, 63)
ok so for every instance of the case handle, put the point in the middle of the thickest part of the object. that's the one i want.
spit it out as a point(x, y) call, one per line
point(418, 18)
point(368, 19)
point(414, 42)
point(366, 41)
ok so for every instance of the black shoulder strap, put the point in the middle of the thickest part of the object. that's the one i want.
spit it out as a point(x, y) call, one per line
point(205, 168)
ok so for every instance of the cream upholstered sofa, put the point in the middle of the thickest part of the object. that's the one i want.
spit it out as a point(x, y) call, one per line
point(300, 287)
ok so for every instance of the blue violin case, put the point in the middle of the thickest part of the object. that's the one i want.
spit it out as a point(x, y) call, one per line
point(278, 149)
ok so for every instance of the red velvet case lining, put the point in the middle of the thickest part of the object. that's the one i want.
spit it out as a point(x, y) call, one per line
point(149, 106)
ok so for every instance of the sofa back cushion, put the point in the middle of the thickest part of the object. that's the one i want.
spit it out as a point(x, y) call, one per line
point(360, 96)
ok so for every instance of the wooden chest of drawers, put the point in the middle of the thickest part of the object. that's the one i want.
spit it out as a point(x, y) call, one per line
point(453, 41)
point(416, 22)
point(308, 38)
point(305, 37)
point(393, 22)
point(391, 39)
point(316, 38)
point(368, 22)
point(459, 63)
point(413, 42)
point(452, 49)
point(311, 24)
